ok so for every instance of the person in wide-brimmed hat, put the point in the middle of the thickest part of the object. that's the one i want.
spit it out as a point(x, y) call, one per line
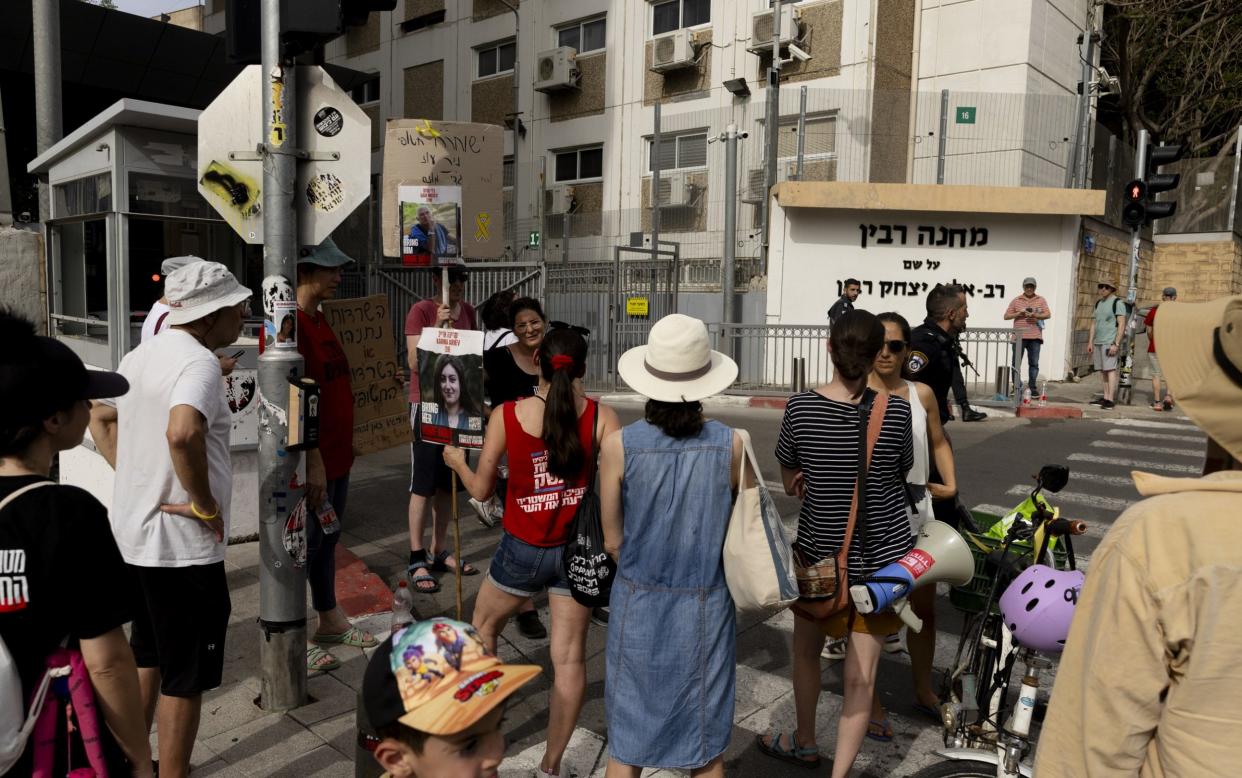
point(666, 493)
point(1147, 684)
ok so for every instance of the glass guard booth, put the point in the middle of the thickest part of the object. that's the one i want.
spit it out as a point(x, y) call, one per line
point(124, 199)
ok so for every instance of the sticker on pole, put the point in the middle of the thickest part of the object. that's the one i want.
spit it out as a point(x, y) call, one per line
point(328, 122)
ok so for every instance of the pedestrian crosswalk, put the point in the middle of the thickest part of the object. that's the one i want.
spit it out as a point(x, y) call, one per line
point(1101, 461)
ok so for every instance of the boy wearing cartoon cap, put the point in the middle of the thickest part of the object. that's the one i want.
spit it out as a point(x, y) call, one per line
point(435, 697)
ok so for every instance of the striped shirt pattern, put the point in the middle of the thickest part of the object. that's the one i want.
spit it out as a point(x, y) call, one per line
point(820, 437)
point(1027, 327)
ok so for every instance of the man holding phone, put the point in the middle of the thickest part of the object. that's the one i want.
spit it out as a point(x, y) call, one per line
point(1027, 311)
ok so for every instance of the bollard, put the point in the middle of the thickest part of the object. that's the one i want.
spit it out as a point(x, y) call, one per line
point(798, 379)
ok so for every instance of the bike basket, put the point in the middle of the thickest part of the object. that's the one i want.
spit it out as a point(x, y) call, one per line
point(971, 596)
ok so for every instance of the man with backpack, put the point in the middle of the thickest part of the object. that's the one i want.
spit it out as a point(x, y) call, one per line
point(64, 596)
point(1108, 323)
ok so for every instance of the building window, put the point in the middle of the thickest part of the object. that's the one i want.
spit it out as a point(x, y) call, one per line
point(679, 152)
point(585, 164)
point(675, 14)
point(820, 141)
point(582, 36)
point(496, 58)
point(366, 92)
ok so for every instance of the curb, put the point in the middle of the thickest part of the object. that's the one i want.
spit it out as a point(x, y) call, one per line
point(1049, 412)
point(359, 591)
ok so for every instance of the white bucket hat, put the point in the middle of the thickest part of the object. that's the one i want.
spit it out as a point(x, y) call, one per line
point(677, 364)
point(200, 289)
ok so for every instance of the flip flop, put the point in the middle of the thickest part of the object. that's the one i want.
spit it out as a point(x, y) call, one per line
point(320, 661)
point(928, 711)
point(880, 731)
point(415, 580)
point(439, 565)
point(352, 637)
point(793, 755)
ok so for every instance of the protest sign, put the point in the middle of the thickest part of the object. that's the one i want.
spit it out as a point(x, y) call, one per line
point(450, 381)
point(419, 153)
point(430, 225)
point(363, 325)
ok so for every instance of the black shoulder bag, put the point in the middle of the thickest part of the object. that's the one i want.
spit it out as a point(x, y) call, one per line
point(587, 566)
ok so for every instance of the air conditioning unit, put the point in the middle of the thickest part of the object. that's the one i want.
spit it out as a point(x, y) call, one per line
point(673, 51)
point(676, 191)
point(560, 199)
point(761, 29)
point(557, 69)
point(755, 192)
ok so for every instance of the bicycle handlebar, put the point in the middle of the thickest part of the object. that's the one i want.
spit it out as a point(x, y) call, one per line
point(1058, 527)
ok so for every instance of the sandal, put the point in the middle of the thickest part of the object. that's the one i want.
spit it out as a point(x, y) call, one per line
point(1157, 406)
point(416, 581)
point(353, 637)
point(439, 564)
point(880, 731)
point(794, 755)
point(320, 661)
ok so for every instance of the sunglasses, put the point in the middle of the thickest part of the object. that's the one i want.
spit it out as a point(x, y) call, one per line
point(564, 325)
point(895, 346)
point(1104, 286)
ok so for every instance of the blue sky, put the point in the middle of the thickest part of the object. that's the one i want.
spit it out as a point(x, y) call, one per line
point(153, 7)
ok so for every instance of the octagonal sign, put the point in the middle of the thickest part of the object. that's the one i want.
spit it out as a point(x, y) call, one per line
point(329, 186)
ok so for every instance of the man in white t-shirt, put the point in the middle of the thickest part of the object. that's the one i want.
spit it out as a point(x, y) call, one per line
point(157, 318)
point(169, 442)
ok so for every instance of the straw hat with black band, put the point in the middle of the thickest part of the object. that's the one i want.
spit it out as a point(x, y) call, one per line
point(1200, 348)
point(677, 364)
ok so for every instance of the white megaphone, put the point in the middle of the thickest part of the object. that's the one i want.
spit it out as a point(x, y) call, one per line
point(939, 555)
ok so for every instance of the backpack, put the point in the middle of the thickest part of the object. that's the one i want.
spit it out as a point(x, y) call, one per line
point(15, 728)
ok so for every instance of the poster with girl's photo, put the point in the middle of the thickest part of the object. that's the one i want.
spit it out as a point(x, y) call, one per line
point(450, 379)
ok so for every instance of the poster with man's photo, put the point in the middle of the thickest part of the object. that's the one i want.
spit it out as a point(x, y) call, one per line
point(430, 225)
point(450, 383)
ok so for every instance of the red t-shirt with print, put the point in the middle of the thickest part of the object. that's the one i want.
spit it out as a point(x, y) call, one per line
point(327, 364)
point(1148, 321)
point(540, 506)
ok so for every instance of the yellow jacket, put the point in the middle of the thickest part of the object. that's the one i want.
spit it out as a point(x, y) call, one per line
point(1150, 683)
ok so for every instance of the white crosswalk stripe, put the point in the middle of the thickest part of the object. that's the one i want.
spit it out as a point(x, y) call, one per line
point(1123, 481)
point(1138, 464)
point(1079, 498)
point(1155, 425)
point(994, 510)
point(1127, 446)
point(1129, 433)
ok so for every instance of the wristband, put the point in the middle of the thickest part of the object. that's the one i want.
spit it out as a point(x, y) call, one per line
point(200, 515)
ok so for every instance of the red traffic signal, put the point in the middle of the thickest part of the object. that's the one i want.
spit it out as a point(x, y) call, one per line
point(1135, 191)
point(1134, 212)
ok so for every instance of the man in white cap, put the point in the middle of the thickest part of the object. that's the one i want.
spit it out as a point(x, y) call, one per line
point(1148, 684)
point(168, 439)
point(1027, 311)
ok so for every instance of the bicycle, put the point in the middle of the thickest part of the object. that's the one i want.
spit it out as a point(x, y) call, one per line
point(977, 743)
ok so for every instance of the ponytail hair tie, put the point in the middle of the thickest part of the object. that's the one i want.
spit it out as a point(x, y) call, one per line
point(561, 362)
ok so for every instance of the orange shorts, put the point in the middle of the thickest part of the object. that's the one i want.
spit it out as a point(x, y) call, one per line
point(886, 623)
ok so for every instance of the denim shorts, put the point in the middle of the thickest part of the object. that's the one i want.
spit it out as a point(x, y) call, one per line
point(524, 570)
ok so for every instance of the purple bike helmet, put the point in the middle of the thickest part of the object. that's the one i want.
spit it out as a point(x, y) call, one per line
point(1039, 606)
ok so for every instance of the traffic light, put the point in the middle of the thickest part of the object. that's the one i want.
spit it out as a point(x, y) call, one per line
point(304, 24)
point(1140, 206)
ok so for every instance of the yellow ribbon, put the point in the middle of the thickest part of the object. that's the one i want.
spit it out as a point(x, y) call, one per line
point(426, 130)
point(482, 221)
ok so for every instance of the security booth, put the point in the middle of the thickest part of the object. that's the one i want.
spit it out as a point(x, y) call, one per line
point(124, 198)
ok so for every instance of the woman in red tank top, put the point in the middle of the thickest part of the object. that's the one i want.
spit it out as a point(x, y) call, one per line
point(551, 442)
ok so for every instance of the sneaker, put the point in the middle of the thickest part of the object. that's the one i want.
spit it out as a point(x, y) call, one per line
point(892, 644)
point(970, 414)
point(1097, 401)
point(1107, 405)
point(599, 616)
point(485, 512)
point(530, 626)
point(834, 649)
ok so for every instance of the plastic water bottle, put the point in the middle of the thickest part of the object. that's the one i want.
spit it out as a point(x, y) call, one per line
point(327, 518)
point(1026, 396)
point(402, 605)
point(1043, 395)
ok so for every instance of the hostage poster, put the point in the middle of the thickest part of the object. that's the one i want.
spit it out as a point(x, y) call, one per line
point(430, 225)
point(450, 383)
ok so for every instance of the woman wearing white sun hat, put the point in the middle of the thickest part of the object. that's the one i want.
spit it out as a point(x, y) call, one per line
point(666, 492)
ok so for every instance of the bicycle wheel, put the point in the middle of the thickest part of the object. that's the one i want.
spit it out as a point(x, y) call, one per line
point(957, 768)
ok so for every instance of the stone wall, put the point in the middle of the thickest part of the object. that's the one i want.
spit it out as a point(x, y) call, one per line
point(364, 39)
point(1199, 269)
point(821, 30)
point(22, 275)
point(588, 98)
point(491, 100)
point(684, 84)
point(424, 91)
point(1109, 259)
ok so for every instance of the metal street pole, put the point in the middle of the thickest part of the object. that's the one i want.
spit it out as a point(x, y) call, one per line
point(656, 169)
point(1123, 353)
point(48, 127)
point(943, 146)
point(282, 585)
point(6, 196)
point(517, 121)
point(1076, 171)
point(772, 128)
point(801, 129)
point(727, 270)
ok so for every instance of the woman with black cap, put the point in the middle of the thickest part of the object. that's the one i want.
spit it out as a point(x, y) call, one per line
point(50, 536)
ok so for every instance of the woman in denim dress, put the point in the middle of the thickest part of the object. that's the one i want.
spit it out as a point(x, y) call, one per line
point(666, 488)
